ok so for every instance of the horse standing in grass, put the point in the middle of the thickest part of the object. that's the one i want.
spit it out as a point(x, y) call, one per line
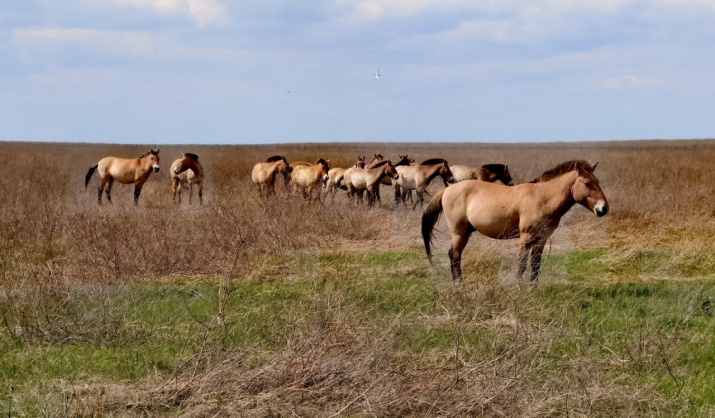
point(529, 211)
point(336, 175)
point(307, 178)
point(418, 177)
point(264, 174)
point(187, 170)
point(124, 170)
point(357, 180)
point(487, 172)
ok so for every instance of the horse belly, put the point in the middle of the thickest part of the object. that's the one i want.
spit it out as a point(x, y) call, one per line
point(122, 173)
point(493, 221)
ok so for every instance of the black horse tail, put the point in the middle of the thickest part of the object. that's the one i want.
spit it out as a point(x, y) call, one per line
point(429, 219)
point(89, 175)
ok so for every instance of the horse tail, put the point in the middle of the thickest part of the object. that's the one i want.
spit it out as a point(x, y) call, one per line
point(429, 219)
point(89, 174)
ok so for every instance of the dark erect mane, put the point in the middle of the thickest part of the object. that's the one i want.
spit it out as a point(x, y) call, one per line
point(275, 158)
point(563, 168)
point(191, 155)
point(494, 168)
point(433, 161)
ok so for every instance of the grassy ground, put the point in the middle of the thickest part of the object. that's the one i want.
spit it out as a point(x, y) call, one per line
point(281, 307)
point(606, 348)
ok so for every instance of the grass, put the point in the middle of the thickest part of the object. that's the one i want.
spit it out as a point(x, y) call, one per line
point(657, 334)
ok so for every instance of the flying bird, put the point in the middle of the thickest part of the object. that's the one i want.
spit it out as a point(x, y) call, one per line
point(377, 75)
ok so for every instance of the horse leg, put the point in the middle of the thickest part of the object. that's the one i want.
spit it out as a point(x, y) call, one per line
point(108, 188)
point(420, 199)
point(201, 193)
point(459, 241)
point(137, 192)
point(536, 251)
point(191, 191)
point(526, 244)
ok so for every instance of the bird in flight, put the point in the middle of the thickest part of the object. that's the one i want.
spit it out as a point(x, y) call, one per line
point(377, 75)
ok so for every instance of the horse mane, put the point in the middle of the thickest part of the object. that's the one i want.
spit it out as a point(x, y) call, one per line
point(192, 155)
point(433, 161)
point(494, 168)
point(581, 166)
point(381, 163)
point(275, 158)
point(150, 152)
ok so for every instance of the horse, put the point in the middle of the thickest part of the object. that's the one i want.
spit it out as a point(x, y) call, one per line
point(487, 172)
point(529, 211)
point(264, 174)
point(418, 177)
point(306, 178)
point(125, 171)
point(377, 159)
point(404, 160)
point(357, 180)
point(187, 170)
point(336, 174)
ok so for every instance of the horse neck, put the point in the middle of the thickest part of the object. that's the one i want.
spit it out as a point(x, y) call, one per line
point(195, 166)
point(557, 193)
point(434, 173)
point(382, 171)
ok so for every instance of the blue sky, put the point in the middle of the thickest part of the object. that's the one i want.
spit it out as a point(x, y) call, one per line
point(269, 71)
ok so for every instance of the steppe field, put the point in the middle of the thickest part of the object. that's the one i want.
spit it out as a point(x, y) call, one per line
point(274, 307)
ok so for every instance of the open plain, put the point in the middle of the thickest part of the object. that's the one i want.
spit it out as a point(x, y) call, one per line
point(283, 306)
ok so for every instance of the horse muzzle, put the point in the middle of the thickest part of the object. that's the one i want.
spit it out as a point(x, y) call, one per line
point(601, 209)
point(156, 168)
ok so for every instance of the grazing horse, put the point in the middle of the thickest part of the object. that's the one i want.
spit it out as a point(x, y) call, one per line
point(264, 174)
point(418, 177)
point(125, 171)
point(307, 178)
point(357, 180)
point(336, 175)
point(487, 172)
point(529, 211)
point(187, 170)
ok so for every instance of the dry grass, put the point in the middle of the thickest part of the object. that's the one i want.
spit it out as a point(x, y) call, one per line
point(282, 306)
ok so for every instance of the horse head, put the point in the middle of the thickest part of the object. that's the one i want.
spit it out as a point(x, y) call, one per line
point(188, 161)
point(360, 162)
point(324, 168)
point(586, 190)
point(152, 157)
point(446, 173)
point(499, 172)
point(404, 160)
point(391, 171)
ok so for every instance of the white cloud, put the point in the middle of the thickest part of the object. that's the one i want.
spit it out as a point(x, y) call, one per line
point(142, 44)
point(206, 12)
point(631, 81)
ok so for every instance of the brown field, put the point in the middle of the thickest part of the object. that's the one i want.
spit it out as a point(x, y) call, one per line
point(288, 307)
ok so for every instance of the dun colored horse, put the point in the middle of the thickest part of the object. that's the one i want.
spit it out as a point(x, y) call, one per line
point(418, 177)
point(307, 178)
point(336, 175)
point(529, 211)
point(377, 159)
point(404, 160)
point(487, 172)
point(357, 180)
point(264, 174)
point(124, 170)
point(187, 170)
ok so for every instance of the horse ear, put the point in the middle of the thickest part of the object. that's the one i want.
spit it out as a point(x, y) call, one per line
point(594, 167)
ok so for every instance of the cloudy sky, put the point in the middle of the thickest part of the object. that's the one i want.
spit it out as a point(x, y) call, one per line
point(219, 71)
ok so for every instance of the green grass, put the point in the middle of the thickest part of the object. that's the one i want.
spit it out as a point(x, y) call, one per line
point(128, 333)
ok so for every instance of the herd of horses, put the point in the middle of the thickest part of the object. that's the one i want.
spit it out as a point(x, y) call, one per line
point(472, 200)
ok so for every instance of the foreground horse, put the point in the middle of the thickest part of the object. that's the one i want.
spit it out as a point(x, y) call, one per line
point(124, 170)
point(264, 174)
point(487, 172)
point(187, 170)
point(307, 178)
point(530, 211)
point(418, 177)
point(358, 180)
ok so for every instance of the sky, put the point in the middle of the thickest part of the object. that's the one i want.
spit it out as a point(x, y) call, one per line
point(271, 71)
